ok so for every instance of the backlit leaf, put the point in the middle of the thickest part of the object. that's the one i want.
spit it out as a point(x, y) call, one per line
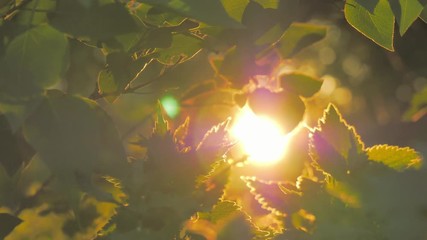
point(298, 36)
point(377, 26)
point(395, 157)
point(235, 8)
point(183, 47)
point(279, 198)
point(161, 127)
point(406, 12)
point(7, 222)
point(337, 132)
point(121, 70)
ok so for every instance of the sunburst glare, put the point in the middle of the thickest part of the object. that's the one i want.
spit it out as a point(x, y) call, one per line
point(260, 138)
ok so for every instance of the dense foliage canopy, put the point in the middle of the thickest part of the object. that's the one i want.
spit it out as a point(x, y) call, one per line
point(117, 118)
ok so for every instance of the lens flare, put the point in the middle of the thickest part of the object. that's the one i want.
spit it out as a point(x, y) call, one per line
point(170, 105)
point(259, 137)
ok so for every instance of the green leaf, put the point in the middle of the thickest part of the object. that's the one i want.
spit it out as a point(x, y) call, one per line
point(121, 70)
point(34, 60)
point(300, 84)
point(298, 36)
point(279, 198)
point(368, 4)
point(98, 22)
point(406, 12)
point(34, 18)
point(395, 157)
point(152, 71)
point(8, 222)
point(336, 147)
point(210, 12)
point(84, 66)
point(183, 48)
point(377, 26)
point(75, 136)
point(235, 8)
point(329, 160)
point(271, 36)
point(17, 109)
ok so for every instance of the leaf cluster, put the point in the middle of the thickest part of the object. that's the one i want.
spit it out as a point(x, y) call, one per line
point(351, 192)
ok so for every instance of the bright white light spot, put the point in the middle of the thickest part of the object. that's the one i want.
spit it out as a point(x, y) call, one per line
point(260, 138)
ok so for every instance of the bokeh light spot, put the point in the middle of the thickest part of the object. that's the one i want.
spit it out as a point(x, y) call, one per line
point(260, 138)
point(170, 105)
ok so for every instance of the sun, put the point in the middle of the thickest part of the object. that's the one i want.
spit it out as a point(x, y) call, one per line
point(260, 138)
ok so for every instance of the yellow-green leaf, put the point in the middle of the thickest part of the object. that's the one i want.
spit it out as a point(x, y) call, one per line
point(395, 157)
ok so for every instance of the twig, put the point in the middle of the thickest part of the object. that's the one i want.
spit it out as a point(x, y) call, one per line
point(14, 8)
point(130, 89)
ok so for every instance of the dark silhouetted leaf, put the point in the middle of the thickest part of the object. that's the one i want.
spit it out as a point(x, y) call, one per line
point(8, 223)
point(338, 133)
point(14, 151)
point(277, 197)
point(97, 22)
point(284, 107)
point(300, 84)
point(78, 137)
